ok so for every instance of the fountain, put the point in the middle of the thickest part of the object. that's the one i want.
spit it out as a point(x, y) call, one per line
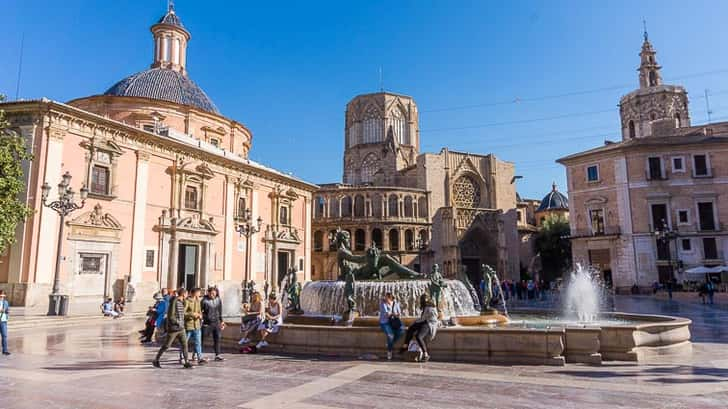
point(341, 318)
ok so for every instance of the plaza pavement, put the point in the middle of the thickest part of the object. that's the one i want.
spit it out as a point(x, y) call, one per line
point(101, 365)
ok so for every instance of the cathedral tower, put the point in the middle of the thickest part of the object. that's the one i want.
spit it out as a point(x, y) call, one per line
point(170, 42)
point(652, 101)
point(381, 138)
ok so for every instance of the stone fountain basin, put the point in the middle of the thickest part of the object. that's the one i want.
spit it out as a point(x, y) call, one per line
point(646, 337)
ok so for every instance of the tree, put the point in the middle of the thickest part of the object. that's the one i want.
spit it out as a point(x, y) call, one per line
point(553, 244)
point(12, 154)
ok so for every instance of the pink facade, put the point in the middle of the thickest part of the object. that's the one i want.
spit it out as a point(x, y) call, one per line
point(169, 182)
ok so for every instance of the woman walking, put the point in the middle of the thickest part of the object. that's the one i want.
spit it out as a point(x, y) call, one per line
point(389, 321)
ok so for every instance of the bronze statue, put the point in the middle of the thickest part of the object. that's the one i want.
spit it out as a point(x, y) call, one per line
point(369, 266)
point(293, 289)
point(350, 290)
point(486, 286)
point(437, 283)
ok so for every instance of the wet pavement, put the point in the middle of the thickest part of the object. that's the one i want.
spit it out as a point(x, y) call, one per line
point(101, 365)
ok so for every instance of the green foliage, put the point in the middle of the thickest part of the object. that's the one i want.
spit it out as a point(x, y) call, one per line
point(12, 153)
point(554, 246)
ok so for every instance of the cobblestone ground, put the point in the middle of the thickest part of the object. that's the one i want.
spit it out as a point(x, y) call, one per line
point(103, 366)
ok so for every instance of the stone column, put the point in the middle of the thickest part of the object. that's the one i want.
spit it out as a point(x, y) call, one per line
point(139, 221)
point(229, 229)
point(46, 246)
point(173, 261)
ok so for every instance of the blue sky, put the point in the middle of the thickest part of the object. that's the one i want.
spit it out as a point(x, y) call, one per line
point(287, 70)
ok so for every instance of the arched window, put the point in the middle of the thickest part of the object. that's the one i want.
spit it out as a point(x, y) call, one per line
point(677, 120)
point(466, 192)
point(332, 245)
point(409, 240)
point(653, 116)
point(346, 206)
point(377, 206)
point(369, 167)
point(377, 238)
point(422, 207)
point(334, 207)
point(318, 241)
point(408, 209)
point(319, 205)
point(423, 237)
point(359, 240)
point(653, 78)
point(394, 240)
point(359, 206)
point(371, 126)
point(393, 206)
point(632, 131)
point(399, 127)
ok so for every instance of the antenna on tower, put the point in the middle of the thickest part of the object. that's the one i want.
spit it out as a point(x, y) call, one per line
point(381, 79)
point(644, 28)
point(20, 67)
point(707, 104)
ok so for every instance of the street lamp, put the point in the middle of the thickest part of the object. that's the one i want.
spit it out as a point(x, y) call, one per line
point(247, 229)
point(63, 206)
point(421, 244)
point(667, 235)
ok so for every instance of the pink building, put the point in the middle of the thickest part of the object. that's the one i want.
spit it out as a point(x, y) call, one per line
point(169, 181)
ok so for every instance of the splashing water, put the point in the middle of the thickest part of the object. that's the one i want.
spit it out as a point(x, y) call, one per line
point(583, 296)
point(327, 297)
point(500, 292)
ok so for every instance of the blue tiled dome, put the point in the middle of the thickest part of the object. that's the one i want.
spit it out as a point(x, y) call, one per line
point(554, 200)
point(165, 85)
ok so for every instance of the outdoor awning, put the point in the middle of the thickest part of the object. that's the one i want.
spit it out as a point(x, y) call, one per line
point(700, 270)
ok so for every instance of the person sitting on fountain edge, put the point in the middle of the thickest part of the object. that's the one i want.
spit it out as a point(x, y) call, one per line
point(423, 330)
point(251, 318)
point(389, 321)
point(273, 319)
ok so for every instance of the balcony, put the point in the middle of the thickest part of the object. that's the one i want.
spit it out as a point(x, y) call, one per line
point(655, 176)
point(607, 231)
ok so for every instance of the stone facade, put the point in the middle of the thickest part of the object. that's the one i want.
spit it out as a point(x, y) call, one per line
point(653, 205)
point(451, 208)
point(168, 184)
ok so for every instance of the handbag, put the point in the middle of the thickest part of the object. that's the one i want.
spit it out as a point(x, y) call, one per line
point(395, 322)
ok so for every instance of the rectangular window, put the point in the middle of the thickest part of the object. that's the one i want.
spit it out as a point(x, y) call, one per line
point(682, 217)
point(100, 180)
point(705, 216)
point(92, 263)
point(686, 244)
point(191, 197)
point(597, 221)
point(214, 142)
point(700, 165)
point(149, 259)
point(654, 168)
point(678, 165)
point(592, 173)
point(659, 217)
point(300, 264)
point(283, 215)
point(710, 248)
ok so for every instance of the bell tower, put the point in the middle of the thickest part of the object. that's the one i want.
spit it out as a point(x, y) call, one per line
point(653, 102)
point(170, 41)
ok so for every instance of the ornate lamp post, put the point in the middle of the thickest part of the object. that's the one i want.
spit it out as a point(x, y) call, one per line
point(667, 236)
point(63, 206)
point(247, 229)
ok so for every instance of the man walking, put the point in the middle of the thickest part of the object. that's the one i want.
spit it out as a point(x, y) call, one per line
point(4, 311)
point(175, 325)
point(193, 324)
point(212, 322)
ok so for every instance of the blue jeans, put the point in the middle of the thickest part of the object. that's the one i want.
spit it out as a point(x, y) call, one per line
point(392, 334)
point(4, 335)
point(197, 334)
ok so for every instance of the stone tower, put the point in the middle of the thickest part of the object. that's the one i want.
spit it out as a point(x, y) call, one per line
point(381, 139)
point(653, 101)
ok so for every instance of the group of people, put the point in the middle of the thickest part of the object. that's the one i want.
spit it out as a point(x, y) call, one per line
point(260, 320)
point(113, 309)
point(183, 317)
point(418, 335)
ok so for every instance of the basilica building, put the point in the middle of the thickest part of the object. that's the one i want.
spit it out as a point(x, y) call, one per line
point(452, 208)
point(169, 187)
